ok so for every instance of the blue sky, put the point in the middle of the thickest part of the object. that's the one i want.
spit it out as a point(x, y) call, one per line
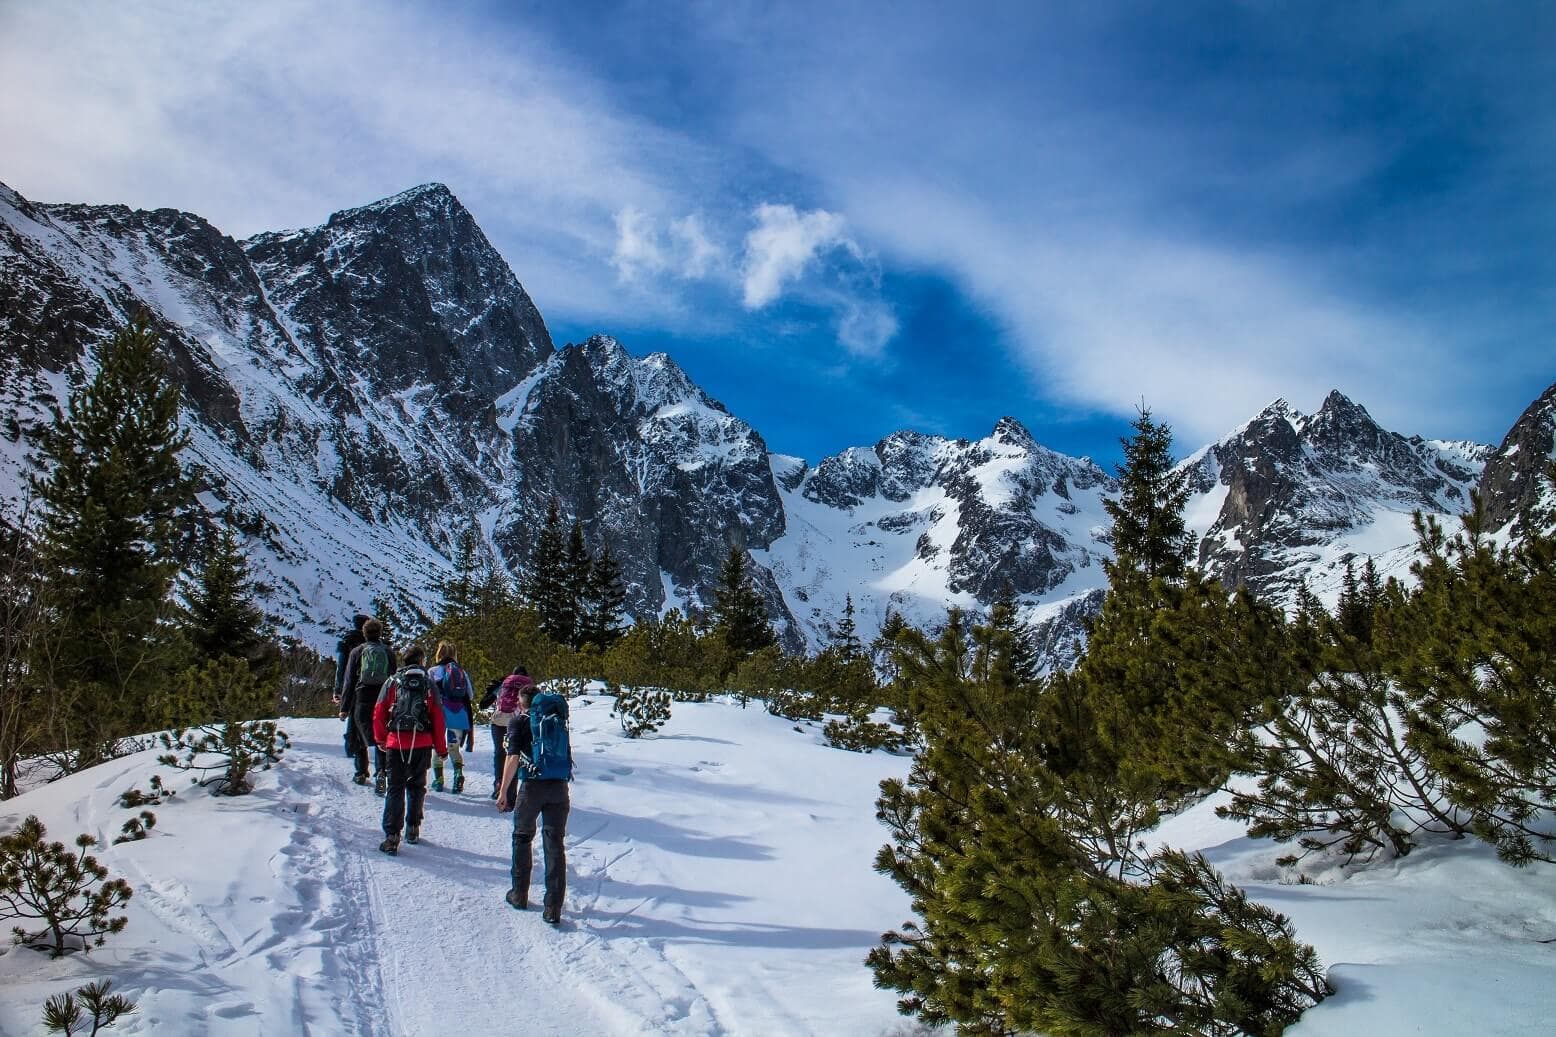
point(844, 219)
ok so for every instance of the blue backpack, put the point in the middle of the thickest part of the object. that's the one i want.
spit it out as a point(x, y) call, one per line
point(550, 747)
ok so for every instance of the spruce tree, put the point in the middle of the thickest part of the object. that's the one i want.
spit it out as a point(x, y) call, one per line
point(546, 590)
point(461, 589)
point(221, 617)
point(579, 567)
point(604, 602)
point(1148, 535)
point(741, 614)
point(113, 493)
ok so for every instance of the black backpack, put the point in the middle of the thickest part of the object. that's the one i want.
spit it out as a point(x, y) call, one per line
point(409, 711)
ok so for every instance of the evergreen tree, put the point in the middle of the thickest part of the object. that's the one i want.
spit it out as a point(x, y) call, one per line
point(220, 615)
point(741, 614)
point(1021, 928)
point(547, 589)
point(1148, 535)
point(112, 497)
point(605, 601)
point(845, 639)
point(1473, 652)
point(578, 569)
point(461, 589)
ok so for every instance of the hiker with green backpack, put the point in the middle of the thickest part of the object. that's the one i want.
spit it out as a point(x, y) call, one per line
point(408, 726)
point(540, 753)
point(367, 668)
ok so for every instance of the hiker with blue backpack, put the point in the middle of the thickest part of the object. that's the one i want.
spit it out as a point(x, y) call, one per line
point(367, 668)
point(408, 726)
point(453, 686)
point(540, 754)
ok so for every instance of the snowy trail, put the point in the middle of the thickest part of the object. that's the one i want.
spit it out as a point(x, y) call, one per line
point(719, 883)
point(641, 950)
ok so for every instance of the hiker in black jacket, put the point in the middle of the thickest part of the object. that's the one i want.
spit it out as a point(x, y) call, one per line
point(368, 666)
point(343, 650)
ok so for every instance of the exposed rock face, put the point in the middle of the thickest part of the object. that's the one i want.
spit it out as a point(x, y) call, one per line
point(649, 463)
point(359, 394)
point(1517, 473)
point(1299, 493)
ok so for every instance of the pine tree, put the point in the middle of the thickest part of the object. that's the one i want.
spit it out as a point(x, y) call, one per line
point(461, 589)
point(845, 639)
point(579, 568)
point(1148, 534)
point(112, 498)
point(546, 591)
point(220, 614)
point(1020, 927)
point(1473, 650)
point(604, 602)
point(741, 614)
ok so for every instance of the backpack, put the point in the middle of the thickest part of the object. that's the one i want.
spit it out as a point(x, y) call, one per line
point(373, 664)
point(551, 750)
point(409, 711)
point(508, 697)
point(453, 687)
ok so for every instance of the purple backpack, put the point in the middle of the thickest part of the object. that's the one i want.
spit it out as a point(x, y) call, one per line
point(508, 697)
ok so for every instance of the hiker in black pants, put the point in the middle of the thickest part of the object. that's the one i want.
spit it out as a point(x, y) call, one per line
point(546, 799)
point(367, 668)
point(502, 697)
point(343, 649)
point(408, 726)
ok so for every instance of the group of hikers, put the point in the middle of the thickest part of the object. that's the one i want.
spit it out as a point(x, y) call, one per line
point(414, 718)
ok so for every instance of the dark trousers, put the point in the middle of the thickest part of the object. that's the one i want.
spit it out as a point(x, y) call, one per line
point(548, 801)
point(499, 757)
point(362, 720)
point(407, 788)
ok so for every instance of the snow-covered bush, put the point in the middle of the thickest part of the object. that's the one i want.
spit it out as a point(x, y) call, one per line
point(222, 753)
point(641, 710)
point(67, 890)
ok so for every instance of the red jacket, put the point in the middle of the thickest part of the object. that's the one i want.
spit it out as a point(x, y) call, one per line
point(437, 738)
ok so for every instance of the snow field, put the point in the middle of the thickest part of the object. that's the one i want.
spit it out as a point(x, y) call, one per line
point(719, 882)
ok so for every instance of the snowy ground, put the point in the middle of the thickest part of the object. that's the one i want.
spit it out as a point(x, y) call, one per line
point(719, 883)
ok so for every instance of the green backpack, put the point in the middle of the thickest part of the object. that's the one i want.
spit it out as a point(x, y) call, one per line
point(373, 666)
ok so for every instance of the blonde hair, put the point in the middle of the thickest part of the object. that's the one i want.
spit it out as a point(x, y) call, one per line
point(446, 653)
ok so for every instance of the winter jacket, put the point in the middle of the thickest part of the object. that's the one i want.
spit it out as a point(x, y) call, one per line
point(388, 740)
point(351, 695)
point(343, 651)
point(454, 692)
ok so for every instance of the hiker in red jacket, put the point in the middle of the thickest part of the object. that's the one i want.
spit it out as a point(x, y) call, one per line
point(408, 726)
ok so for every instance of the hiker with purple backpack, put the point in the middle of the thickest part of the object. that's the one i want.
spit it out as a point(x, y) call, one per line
point(453, 685)
point(504, 695)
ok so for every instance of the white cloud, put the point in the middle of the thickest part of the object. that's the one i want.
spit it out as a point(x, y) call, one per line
point(699, 256)
point(637, 246)
point(783, 243)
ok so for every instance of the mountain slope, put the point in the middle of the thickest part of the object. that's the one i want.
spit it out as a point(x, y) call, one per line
point(361, 393)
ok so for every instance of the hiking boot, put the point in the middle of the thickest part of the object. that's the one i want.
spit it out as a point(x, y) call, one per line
point(494, 790)
point(459, 779)
point(437, 783)
point(412, 834)
point(359, 779)
point(516, 900)
point(381, 784)
point(552, 915)
point(391, 845)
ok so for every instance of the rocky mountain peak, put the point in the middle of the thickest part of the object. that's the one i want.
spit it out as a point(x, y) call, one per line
point(1515, 474)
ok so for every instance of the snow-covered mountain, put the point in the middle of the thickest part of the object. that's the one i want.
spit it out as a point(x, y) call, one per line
point(359, 394)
